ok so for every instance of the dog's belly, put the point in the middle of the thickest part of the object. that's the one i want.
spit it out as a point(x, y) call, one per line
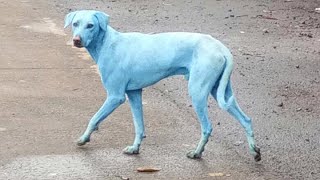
point(144, 79)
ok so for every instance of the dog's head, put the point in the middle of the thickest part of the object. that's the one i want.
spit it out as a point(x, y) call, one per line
point(86, 26)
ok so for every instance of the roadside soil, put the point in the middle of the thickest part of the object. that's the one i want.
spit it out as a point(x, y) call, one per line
point(49, 91)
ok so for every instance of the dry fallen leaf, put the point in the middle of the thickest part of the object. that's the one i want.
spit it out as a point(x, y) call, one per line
point(216, 174)
point(148, 169)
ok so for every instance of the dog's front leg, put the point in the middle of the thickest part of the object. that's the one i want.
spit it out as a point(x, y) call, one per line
point(135, 100)
point(111, 103)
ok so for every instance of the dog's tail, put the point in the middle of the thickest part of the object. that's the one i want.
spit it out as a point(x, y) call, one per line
point(223, 99)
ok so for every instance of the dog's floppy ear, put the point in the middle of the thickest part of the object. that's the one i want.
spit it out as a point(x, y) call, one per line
point(103, 19)
point(68, 19)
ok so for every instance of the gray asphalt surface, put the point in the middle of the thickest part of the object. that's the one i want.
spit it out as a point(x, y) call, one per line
point(49, 90)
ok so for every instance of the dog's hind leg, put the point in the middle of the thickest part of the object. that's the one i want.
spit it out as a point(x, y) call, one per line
point(199, 101)
point(233, 108)
point(200, 85)
point(135, 100)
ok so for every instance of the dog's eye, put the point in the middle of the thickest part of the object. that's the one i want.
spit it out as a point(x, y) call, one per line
point(75, 24)
point(90, 26)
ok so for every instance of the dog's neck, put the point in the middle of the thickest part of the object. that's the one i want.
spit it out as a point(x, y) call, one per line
point(101, 42)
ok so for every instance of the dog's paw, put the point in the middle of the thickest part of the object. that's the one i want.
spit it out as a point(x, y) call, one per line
point(257, 155)
point(193, 155)
point(83, 141)
point(131, 150)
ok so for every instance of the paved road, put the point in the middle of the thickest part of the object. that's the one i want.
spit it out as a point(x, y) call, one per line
point(49, 90)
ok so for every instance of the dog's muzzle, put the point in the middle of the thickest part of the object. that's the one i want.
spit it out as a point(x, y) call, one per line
point(77, 42)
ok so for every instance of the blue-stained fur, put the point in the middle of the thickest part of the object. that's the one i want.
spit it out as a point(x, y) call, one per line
point(129, 62)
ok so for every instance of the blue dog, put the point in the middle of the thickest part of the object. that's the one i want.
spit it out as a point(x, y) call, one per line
point(129, 62)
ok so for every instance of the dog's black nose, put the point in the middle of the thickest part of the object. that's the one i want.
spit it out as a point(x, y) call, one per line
point(77, 41)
